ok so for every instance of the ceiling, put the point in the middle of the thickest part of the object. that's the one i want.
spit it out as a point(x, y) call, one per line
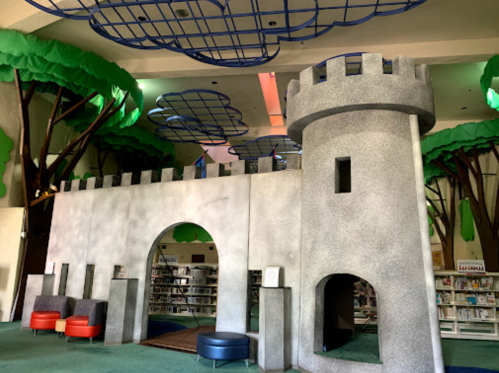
point(455, 37)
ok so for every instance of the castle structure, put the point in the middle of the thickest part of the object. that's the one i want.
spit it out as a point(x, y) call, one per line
point(353, 204)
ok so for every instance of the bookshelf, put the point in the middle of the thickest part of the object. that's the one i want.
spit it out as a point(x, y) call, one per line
point(256, 284)
point(365, 303)
point(468, 305)
point(197, 281)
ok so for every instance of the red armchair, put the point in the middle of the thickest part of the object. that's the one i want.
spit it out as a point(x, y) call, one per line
point(87, 319)
point(47, 310)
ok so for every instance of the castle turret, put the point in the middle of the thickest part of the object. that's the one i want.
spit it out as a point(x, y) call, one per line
point(364, 210)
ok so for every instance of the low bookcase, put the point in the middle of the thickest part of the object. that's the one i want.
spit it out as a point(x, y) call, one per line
point(197, 282)
point(468, 305)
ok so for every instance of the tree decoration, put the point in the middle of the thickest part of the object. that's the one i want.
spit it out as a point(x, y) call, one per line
point(199, 116)
point(278, 146)
point(190, 232)
point(6, 145)
point(490, 72)
point(90, 94)
point(455, 152)
point(220, 32)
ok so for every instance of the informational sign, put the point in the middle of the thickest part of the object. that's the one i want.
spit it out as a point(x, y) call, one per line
point(272, 277)
point(471, 266)
point(170, 259)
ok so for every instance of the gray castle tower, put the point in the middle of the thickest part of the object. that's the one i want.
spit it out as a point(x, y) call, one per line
point(364, 210)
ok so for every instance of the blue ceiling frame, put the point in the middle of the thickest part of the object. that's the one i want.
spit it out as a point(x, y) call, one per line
point(263, 147)
point(198, 116)
point(221, 32)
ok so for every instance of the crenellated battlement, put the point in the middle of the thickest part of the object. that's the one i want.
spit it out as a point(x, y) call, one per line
point(408, 89)
point(213, 170)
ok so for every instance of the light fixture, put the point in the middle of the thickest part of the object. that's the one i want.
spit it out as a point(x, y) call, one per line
point(142, 86)
point(182, 13)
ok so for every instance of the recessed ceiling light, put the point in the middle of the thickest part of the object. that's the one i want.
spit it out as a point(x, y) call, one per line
point(142, 18)
point(214, 82)
point(142, 86)
point(182, 13)
point(272, 23)
point(464, 108)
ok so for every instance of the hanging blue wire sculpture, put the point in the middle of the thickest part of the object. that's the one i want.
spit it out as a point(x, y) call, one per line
point(199, 116)
point(231, 33)
point(263, 147)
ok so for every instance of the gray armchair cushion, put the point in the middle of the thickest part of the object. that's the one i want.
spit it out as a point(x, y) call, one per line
point(92, 308)
point(52, 303)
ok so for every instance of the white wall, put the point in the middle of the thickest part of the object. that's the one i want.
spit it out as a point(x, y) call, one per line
point(11, 222)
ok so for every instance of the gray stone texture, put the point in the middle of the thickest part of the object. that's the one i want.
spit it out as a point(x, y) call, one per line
point(94, 183)
point(374, 233)
point(192, 172)
point(241, 167)
point(130, 178)
point(65, 186)
point(274, 343)
point(169, 174)
point(275, 233)
point(35, 285)
point(267, 164)
point(293, 162)
point(78, 184)
point(111, 181)
point(214, 170)
point(148, 177)
point(407, 90)
point(121, 311)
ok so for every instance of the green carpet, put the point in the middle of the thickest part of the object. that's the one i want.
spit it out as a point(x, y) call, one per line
point(362, 347)
point(21, 352)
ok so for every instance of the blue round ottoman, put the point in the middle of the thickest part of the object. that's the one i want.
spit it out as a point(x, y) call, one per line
point(223, 346)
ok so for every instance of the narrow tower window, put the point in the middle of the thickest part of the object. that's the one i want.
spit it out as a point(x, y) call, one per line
point(343, 175)
point(64, 279)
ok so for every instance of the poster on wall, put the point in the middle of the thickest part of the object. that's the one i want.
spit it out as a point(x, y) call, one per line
point(438, 260)
point(471, 266)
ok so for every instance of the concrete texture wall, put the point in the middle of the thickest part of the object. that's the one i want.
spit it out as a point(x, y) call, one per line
point(124, 225)
point(374, 233)
point(275, 234)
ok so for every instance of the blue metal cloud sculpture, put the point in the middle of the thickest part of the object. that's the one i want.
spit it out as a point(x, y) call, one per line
point(199, 116)
point(231, 33)
point(263, 147)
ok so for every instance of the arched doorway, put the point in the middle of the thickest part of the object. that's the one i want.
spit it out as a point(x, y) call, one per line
point(183, 287)
point(347, 319)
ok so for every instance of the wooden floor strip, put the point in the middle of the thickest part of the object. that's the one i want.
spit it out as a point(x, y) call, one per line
point(184, 340)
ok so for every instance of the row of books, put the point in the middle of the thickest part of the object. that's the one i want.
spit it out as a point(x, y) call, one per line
point(467, 314)
point(181, 309)
point(179, 299)
point(463, 283)
point(183, 281)
point(185, 290)
point(465, 298)
point(184, 271)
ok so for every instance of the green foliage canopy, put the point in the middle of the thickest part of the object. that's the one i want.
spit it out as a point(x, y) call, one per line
point(190, 232)
point(53, 63)
point(6, 145)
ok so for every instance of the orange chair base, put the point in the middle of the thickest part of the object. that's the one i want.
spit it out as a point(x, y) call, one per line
point(82, 331)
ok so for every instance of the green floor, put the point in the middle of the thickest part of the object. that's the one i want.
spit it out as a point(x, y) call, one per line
point(23, 352)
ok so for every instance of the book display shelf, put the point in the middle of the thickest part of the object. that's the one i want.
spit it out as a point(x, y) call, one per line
point(468, 305)
point(256, 284)
point(365, 305)
point(197, 282)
